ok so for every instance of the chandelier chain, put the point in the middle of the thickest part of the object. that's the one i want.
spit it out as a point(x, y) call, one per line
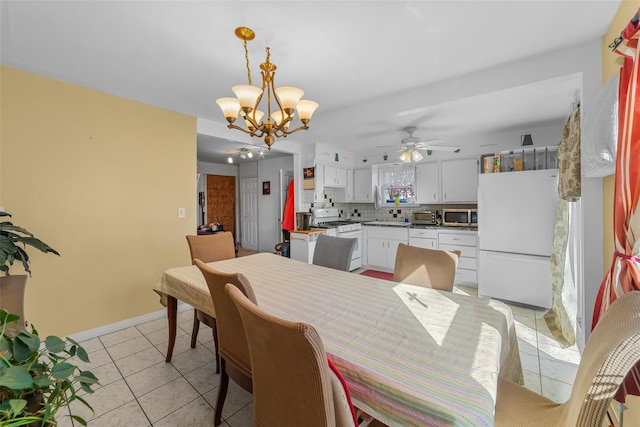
point(246, 56)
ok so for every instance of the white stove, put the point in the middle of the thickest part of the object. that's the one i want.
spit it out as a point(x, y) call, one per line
point(329, 218)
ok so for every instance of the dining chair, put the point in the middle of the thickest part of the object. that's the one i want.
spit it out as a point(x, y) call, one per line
point(426, 267)
point(612, 349)
point(334, 252)
point(209, 248)
point(293, 383)
point(234, 351)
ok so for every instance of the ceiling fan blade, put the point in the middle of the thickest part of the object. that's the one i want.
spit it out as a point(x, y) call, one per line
point(451, 148)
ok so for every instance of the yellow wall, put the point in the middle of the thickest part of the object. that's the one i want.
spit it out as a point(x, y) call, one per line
point(611, 64)
point(100, 179)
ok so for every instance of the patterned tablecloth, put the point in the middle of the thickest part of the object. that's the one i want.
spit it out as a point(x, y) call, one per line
point(411, 356)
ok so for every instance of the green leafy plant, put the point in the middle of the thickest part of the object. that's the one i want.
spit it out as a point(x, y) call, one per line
point(13, 241)
point(37, 380)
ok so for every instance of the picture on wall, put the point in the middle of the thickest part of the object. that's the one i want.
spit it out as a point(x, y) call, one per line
point(309, 182)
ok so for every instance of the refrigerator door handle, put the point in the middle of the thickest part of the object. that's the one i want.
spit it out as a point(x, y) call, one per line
point(518, 257)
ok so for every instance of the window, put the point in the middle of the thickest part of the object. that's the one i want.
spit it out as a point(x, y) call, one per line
point(397, 184)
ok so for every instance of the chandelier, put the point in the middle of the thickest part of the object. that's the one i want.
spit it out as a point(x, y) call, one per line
point(288, 101)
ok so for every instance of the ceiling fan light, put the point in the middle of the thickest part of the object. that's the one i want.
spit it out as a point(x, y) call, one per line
point(247, 96)
point(306, 109)
point(229, 159)
point(243, 156)
point(229, 107)
point(289, 97)
point(405, 156)
point(416, 155)
point(250, 154)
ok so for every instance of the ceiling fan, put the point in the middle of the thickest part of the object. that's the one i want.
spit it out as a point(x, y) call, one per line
point(411, 145)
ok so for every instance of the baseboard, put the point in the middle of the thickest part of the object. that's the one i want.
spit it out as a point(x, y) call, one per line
point(124, 324)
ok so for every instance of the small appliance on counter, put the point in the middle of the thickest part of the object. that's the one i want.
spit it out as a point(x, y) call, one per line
point(426, 218)
point(303, 220)
point(460, 217)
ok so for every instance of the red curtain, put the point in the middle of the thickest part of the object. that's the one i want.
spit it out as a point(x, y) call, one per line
point(288, 217)
point(624, 274)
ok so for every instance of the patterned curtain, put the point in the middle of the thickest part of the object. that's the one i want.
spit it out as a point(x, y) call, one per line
point(562, 312)
point(624, 274)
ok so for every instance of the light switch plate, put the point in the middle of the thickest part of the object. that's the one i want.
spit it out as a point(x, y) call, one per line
point(181, 213)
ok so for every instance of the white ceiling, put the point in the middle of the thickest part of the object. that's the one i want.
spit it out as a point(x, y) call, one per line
point(183, 55)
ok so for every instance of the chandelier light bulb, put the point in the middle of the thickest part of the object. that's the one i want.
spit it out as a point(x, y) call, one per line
point(247, 96)
point(230, 108)
point(305, 110)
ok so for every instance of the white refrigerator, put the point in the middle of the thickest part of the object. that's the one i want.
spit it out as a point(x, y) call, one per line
point(516, 224)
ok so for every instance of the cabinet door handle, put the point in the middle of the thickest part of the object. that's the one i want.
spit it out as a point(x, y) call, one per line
point(445, 196)
point(434, 196)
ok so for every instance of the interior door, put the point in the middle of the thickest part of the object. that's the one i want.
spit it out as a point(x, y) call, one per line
point(221, 201)
point(249, 213)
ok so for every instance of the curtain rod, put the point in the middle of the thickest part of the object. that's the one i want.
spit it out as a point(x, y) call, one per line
point(629, 29)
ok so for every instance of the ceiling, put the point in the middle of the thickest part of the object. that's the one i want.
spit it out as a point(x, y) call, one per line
point(346, 55)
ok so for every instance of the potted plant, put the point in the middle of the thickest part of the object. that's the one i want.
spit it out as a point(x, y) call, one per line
point(36, 381)
point(13, 242)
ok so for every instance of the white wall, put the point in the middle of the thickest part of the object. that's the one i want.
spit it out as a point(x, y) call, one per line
point(268, 209)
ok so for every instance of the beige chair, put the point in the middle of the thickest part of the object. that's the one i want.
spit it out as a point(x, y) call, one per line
point(234, 351)
point(612, 349)
point(334, 252)
point(426, 267)
point(209, 248)
point(292, 382)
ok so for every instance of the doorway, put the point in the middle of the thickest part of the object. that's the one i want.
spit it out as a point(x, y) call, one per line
point(249, 213)
point(221, 201)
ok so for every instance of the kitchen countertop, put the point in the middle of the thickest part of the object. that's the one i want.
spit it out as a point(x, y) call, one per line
point(312, 231)
point(421, 226)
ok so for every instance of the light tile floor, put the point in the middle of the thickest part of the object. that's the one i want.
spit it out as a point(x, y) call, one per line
point(139, 389)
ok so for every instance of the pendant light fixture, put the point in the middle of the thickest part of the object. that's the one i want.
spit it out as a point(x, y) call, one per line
point(287, 100)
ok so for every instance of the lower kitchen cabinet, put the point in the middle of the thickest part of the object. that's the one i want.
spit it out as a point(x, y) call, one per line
point(467, 243)
point(382, 245)
point(423, 238)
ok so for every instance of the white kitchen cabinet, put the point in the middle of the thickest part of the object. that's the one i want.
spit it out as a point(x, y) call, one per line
point(427, 182)
point(303, 244)
point(362, 185)
point(467, 243)
point(345, 194)
point(334, 176)
point(382, 245)
point(459, 180)
point(423, 238)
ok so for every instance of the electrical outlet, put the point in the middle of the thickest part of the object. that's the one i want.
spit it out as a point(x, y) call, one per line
point(181, 213)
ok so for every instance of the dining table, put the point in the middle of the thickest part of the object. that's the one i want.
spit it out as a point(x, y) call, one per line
point(410, 355)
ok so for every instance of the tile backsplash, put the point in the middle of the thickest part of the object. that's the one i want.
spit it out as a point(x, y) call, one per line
point(367, 212)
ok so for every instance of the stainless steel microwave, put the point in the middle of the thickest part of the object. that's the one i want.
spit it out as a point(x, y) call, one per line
point(460, 217)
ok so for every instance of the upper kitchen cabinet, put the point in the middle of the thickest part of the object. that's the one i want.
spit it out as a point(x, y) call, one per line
point(459, 178)
point(362, 186)
point(334, 177)
point(427, 182)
